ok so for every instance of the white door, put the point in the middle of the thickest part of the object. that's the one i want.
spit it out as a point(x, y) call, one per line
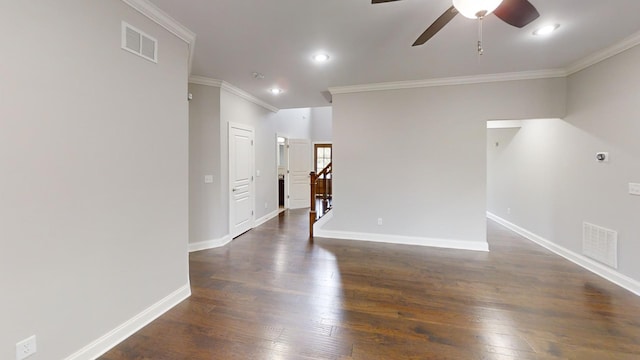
point(240, 179)
point(299, 169)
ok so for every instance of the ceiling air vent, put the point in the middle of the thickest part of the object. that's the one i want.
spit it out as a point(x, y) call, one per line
point(600, 244)
point(139, 43)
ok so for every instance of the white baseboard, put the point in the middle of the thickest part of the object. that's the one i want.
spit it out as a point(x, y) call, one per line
point(266, 218)
point(210, 244)
point(396, 239)
point(122, 332)
point(216, 243)
point(317, 226)
point(583, 261)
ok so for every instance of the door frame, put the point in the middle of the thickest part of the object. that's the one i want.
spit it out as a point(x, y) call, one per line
point(252, 184)
point(314, 158)
point(314, 154)
point(286, 171)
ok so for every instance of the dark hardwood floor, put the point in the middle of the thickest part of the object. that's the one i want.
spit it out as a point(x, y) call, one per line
point(271, 294)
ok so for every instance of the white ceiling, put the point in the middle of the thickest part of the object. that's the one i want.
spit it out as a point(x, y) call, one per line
point(372, 43)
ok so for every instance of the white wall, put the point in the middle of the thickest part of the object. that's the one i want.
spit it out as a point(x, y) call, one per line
point(305, 123)
point(93, 157)
point(294, 123)
point(547, 173)
point(416, 157)
point(321, 124)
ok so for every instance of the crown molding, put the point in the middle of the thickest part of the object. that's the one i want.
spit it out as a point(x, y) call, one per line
point(579, 65)
point(202, 80)
point(604, 54)
point(245, 95)
point(161, 18)
point(459, 80)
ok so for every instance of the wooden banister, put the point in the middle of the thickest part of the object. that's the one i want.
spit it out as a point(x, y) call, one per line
point(313, 214)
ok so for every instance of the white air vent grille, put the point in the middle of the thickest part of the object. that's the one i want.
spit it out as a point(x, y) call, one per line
point(139, 43)
point(600, 244)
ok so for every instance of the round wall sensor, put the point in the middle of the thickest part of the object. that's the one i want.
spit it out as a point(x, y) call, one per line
point(602, 156)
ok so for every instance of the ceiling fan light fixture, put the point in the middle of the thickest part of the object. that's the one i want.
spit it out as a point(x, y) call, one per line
point(546, 30)
point(321, 57)
point(474, 9)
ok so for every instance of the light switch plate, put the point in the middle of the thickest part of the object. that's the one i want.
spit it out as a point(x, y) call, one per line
point(634, 188)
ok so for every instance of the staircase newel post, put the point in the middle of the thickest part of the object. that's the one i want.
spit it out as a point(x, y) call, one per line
point(325, 203)
point(312, 212)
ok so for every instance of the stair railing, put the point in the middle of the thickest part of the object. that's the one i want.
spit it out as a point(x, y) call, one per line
point(326, 195)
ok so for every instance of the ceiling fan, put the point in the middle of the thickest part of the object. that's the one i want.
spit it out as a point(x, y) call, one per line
point(518, 13)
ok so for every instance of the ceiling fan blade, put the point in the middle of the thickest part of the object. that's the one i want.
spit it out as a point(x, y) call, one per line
point(518, 13)
point(436, 26)
point(381, 1)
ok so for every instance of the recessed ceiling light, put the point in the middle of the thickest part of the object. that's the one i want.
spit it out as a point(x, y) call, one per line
point(321, 57)
point(546, 30)
point(275, 91)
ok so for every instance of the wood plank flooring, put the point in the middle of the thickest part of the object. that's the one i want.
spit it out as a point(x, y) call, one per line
point(271, 294)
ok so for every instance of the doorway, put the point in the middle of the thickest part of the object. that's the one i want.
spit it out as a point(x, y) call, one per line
point(282, 171)
point(322, 155)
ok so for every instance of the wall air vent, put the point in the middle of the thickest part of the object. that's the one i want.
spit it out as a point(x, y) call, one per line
point(600, 244)
point(139, 43)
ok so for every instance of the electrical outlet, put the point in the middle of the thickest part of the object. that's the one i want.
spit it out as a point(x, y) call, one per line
point(208, 179)
point(379, 221)
point(266, 205)
point(508, 210)
point(634, 188)
point(26, 348)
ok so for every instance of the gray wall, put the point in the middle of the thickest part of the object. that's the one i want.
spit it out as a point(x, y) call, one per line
point(547, 174)
point(419, 155)
point(93, 157)
point(211, 111)
point(234, 109)
point(206, 214)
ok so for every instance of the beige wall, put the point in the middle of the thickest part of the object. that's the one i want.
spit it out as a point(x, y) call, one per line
point(416, 157)
point(93, 157)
